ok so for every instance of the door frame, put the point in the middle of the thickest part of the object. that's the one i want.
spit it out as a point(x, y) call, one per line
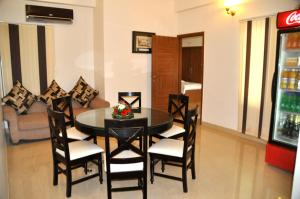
point(180, 37)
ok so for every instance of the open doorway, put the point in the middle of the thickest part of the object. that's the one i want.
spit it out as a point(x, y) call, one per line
point(177, 67)
point(191, 59)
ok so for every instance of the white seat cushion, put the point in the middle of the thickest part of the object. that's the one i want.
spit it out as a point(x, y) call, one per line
point(170, 147)
point(126, 167)
point(79, 149)
point(174, 130)
point(73, 133)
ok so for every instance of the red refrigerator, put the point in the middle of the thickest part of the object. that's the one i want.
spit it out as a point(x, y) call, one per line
point(285, 118)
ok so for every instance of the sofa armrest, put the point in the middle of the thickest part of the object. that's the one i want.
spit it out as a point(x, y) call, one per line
point(10, 115)
point(99, 103)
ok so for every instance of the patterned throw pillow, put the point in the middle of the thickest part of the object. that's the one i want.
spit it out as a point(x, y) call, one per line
point(52, 92)
point(83, 93)
point(19, 98)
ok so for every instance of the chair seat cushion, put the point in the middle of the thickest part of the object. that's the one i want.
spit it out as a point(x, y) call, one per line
point(174, 130)
point(80, 149)
point(170, 147)
point(126, 167)
point(74, 134)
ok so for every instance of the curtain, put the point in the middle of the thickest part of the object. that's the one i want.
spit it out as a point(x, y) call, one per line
point(27, 54)
point(257, 65)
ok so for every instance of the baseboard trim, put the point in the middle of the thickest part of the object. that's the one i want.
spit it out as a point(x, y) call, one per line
point(233, 132)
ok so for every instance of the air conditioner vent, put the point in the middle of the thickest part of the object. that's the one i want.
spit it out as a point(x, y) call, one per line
point(48, 14)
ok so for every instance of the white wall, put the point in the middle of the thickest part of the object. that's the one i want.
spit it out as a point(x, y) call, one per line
point(125, 71)
point(74, 44)
point(221, 53)
point(3, 161)
point(181, 5)
point(99, 48)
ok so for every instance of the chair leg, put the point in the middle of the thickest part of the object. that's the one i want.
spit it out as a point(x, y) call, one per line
point(55, 172)
point(95, 139)
point(69, 181)
point(145, 185)
point(85, 168)
point(151, 169)
point(100, 171)
point(140, 182)
point(162, 166)
point(108, 187)
point(184, 178)
point(150, 140)
point(193, 166)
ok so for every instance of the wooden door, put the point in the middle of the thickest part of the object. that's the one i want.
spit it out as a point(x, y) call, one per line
point(165, 70)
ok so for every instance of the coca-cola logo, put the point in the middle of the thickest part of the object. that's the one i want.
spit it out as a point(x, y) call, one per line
point(293, 18)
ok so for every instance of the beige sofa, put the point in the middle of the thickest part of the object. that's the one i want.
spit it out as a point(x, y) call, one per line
point(34, 125)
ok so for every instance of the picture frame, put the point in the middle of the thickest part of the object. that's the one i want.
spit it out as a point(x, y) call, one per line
point(142, 42)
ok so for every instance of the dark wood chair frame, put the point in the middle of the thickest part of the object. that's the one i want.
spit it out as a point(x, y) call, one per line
point(57, 125)
point(64, 104)
point(175, 109)
point(178, 104)
point(138, 99)
point(188, 160)
point(126, 131)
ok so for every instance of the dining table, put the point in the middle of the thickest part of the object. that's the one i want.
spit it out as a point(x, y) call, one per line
point(92, 121)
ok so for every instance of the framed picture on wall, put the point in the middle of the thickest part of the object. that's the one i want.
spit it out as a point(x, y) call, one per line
point(141, 42)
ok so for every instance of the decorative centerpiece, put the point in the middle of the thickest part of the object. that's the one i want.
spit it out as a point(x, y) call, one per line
point(122, 111)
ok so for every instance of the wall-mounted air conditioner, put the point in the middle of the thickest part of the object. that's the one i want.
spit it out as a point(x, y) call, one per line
point(48, 14)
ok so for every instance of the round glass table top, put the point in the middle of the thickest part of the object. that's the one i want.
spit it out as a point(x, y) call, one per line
point(92, 121)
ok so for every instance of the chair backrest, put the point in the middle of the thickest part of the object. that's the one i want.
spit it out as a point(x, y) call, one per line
point(178, 107)
point(58, 133)
point(190, 131)
point(126, 131)
point(64, 104)
point(133, 99)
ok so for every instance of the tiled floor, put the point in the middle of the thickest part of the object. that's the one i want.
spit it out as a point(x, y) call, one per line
point(227, 167)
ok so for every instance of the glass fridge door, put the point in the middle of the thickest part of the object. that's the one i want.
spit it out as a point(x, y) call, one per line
point(287, 108)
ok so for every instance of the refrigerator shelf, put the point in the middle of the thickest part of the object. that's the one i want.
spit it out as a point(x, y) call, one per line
point(296, 50)
point(283, 138)
point(290, 67)
point(290, 112)
point(290, 90)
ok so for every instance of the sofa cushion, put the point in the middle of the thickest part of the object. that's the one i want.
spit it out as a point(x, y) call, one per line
point(52, 92)
point(83, 93)
point(37, 107)
point(19, 98)
point(33, 121)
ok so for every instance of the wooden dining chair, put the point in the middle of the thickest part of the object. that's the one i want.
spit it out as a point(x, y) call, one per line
point(126, 160)
point(64, 104)
point(178, 105)
point(133, 99)
point(73, 154)
point(180, 152)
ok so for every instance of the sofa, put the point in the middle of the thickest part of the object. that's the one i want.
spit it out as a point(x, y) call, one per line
point(34, 125)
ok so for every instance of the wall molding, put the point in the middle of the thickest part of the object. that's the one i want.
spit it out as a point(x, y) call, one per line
point(233, 132)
